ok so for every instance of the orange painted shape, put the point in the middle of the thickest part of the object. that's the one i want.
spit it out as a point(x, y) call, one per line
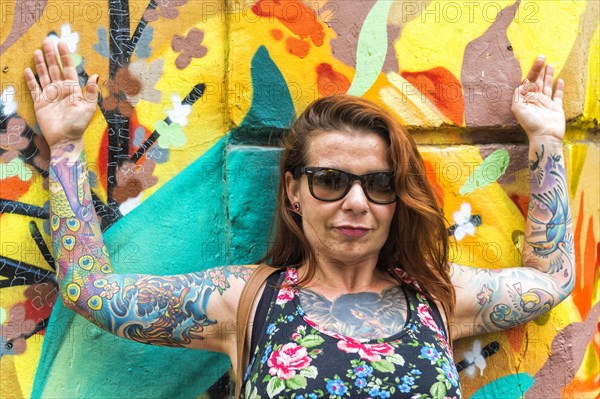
point(442, 89)
point(13, 187)
point(277, 34)
point(296, 16)
point(577, 290)
point(331, 82)
point(584, 387)
point(297, 47)
point(586, 262)
point(516, 336)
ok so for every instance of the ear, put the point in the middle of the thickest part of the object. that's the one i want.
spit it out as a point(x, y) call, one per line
point(292, 187)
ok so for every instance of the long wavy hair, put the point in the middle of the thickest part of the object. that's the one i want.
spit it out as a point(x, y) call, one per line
point(418, 239)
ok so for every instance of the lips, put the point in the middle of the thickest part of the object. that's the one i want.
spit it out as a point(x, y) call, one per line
point(352, 231)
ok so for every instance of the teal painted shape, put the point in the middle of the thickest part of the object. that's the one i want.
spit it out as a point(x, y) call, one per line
point(252, 177)
point(512, 386)
point(371, 48)
point(490, 170)
point(271, 101)
point(179, 229)
point(102, 46)
point(143, 49)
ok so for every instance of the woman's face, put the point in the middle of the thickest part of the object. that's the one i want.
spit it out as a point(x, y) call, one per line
point(352, 229)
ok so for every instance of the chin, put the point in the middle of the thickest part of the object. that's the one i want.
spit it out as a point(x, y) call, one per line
point(353, 252)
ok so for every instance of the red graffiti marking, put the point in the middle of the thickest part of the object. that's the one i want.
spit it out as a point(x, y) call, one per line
point(298, 18)
point(102, 166)
point(442, 89)
point(330, 82)
point(40, 301)
point(522, 202)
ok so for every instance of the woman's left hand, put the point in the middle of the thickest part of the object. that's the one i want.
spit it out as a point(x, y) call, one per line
point(537, 108)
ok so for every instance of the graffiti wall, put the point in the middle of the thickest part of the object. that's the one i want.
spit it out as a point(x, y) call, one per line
point(183, 157)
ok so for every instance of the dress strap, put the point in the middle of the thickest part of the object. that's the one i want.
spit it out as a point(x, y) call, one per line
point(266, 300)
point(437, 317)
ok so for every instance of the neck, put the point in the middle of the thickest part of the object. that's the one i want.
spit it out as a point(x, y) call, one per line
point(336, 277)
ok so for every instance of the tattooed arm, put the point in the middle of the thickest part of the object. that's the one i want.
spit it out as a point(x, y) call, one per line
point(193, 310)
point(492, 300)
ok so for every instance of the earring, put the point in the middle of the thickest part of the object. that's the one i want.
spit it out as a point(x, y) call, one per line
point(296, 206)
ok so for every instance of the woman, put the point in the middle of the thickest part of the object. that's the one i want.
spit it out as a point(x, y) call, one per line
point(366, 299)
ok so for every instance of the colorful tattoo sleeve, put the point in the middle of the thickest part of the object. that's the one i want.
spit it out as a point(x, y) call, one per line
point(504, 298)
point(161, 310)
point(549, 234)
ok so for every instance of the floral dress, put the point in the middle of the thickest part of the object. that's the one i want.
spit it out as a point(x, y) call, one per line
point(296, 358)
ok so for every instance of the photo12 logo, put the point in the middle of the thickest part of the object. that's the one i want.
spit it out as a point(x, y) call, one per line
point(465, 11)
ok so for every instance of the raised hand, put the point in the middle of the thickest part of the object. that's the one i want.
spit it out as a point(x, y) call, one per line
point(62, 110)
point(537, 107)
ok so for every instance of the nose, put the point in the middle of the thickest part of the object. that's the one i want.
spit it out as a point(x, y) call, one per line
point(356, 200)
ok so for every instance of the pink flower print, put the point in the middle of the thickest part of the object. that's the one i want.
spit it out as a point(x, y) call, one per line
point(287, 291)
point(218, 279)
point(406, 279)
point(290, 357)
point(370, 352)
point(189, 47)
point(110, 290)
point(426, 319)
point(291, 276)
point(285, 294)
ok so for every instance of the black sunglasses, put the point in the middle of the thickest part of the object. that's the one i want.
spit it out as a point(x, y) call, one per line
point(327, 184)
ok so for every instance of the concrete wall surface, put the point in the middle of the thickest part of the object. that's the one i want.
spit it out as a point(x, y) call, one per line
point(183, 157)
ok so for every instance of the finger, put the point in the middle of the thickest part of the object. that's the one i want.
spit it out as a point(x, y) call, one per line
point(536, 69)
point(92, 89)
point(539, 83)
point(533, 82)
point(548, 80)
point(68, 67)
point(32, 84)
point(53, 67)
point(559, 91)
point(40, 68)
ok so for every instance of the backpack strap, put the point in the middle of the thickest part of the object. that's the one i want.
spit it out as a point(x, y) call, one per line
point(249, 292)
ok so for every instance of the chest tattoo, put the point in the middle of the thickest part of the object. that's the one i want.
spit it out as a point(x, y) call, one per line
point(363, 315)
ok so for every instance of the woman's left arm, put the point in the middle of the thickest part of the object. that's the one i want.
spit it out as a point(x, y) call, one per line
point(496, 299)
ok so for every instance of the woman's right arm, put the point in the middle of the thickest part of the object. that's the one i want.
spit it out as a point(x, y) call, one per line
point(191, 310)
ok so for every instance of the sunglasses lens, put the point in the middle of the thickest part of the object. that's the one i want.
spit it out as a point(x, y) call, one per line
point(380, 187)
point(329, 184)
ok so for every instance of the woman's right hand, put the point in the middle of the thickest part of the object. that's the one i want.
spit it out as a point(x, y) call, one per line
point(62, 110)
